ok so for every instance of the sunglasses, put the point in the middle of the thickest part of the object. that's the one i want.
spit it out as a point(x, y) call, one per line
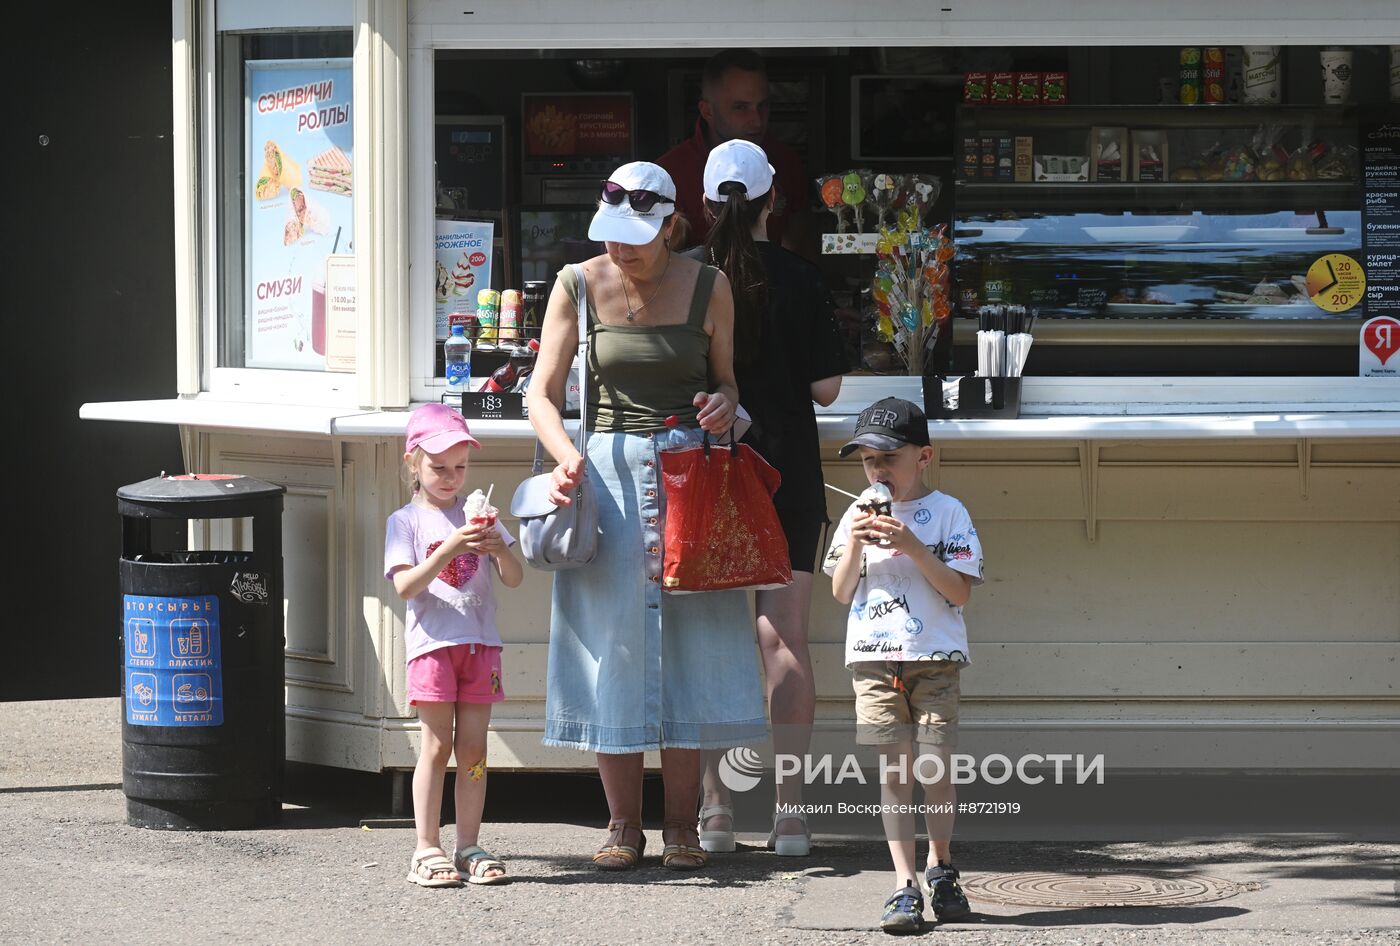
point(641, 201)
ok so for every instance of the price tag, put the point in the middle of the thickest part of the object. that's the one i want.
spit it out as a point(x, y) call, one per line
point(1336, 282)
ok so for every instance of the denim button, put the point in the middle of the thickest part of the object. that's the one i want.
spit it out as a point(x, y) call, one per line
point(651, 492)
point(653, 578)
point(654, 551)
point(649, 463)
point(652, 521)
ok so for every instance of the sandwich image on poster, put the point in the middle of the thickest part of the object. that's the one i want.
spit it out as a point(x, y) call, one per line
point(279, 166)
point(330, 171)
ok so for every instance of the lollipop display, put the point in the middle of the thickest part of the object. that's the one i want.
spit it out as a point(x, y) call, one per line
point(912, 288)
point(853, 196)
point(883, 195)
point(831, 188)
point(918, 192)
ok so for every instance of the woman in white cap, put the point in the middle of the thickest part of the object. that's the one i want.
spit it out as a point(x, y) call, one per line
point(632, 669)
point(787, 355)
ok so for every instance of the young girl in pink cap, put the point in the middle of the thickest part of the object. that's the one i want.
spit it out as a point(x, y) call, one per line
point(439, 551)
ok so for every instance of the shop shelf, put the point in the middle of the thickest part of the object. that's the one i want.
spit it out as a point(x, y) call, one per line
point(1184, 197)
point(1153, 116)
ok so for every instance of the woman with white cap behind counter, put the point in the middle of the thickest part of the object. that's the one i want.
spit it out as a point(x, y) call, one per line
point(632, 669)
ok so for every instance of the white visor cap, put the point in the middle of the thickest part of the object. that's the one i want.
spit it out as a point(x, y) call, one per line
point(621, 223)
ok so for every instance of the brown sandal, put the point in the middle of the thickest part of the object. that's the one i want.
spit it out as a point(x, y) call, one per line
point(680, 856)
point(621, 856)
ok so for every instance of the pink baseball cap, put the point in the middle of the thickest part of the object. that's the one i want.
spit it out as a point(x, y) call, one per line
point(437, 428)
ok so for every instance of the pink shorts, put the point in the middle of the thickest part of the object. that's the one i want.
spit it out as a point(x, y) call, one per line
point(461, 673)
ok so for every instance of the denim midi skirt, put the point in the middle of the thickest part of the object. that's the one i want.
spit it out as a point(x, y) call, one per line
point(632, 668)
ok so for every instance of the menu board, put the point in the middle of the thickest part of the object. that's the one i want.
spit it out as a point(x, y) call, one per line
point(299, 211)
point(1380, 213)
point(569, 125)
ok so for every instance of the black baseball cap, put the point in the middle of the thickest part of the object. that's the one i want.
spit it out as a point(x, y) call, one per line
point(888, 424)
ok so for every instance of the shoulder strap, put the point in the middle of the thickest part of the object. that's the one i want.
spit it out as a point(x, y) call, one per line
point(700, 302)
point(572, 282)
point(582, 355)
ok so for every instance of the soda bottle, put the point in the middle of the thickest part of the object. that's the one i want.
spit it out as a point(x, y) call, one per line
point(457, 352)
point(524, 360)
point(502, 379)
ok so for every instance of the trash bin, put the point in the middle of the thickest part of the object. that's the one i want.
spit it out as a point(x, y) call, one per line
point(203, 737)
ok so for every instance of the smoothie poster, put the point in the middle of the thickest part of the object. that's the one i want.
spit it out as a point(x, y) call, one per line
point(298, 133)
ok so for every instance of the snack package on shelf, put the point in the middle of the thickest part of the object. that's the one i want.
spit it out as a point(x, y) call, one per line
point(1209, 165)
point(1336, 162)
point(1272, 156)
point(1300, 163)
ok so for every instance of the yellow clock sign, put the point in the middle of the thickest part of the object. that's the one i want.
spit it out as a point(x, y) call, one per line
point(1336, 282)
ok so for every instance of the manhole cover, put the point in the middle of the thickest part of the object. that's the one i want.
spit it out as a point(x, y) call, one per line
point(1100, 889)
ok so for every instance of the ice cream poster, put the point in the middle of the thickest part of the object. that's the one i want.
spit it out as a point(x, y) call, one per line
point(298, 209)
point(463, 268)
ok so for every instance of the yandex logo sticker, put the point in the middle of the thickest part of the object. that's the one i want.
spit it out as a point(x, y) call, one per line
point(1380, 339)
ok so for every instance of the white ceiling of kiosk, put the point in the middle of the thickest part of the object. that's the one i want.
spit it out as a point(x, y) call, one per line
point(772, 23)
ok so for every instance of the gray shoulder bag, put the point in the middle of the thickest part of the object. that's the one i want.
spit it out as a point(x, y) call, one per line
point(553, 537)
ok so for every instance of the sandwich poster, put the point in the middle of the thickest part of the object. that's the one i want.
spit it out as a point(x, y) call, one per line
point(298, 210)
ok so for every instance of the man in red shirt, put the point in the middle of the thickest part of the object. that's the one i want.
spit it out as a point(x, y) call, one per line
point(734, 104)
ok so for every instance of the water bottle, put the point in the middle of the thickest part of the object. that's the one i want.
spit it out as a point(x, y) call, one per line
point(676, 436)
point(457, 352)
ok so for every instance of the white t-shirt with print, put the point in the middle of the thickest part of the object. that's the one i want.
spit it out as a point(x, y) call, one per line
point(895, 613)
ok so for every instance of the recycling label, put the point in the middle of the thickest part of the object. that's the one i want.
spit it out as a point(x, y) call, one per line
point(173, 671)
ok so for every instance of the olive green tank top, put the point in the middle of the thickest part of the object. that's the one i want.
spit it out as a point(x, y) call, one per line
point(638, 375)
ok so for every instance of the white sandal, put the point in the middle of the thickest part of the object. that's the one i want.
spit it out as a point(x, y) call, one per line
point(717, 842)
point(790, 845)
point(428, 867)
point(473, 862)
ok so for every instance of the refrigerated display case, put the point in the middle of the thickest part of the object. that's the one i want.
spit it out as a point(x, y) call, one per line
point(1187, 253)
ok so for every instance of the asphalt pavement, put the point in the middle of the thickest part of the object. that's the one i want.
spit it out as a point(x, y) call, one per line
point(73, 871)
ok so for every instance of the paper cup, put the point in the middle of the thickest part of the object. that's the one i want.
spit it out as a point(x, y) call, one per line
point(318, 317)
point(1336, 76)
point(1263, 75)
point(1395, 74)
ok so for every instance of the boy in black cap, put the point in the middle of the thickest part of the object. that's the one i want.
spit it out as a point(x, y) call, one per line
point(906, 575)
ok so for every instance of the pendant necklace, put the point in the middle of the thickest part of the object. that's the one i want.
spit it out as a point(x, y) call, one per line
point(631, 312)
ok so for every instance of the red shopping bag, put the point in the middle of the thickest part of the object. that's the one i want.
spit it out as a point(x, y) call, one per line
point(722, 531)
